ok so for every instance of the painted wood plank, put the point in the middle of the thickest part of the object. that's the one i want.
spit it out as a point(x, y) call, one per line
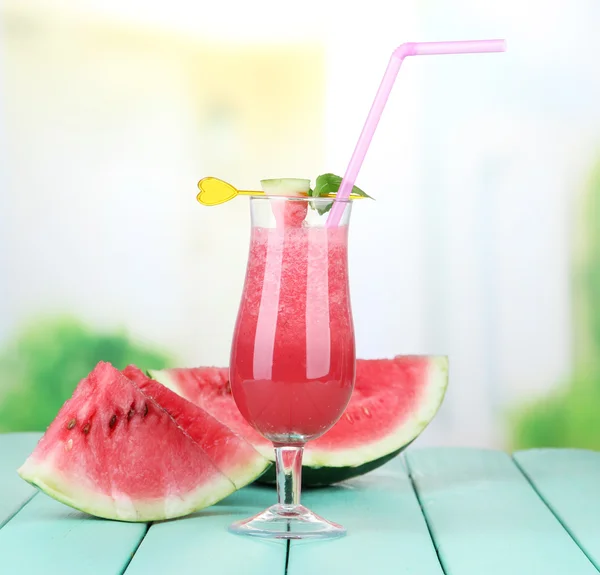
point(568, 480)
point(386, 529)
point(14, 492)
point(50, 538)
point(486, 518)
point(201, 543)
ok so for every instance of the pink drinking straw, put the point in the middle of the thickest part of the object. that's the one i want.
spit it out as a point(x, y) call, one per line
point(398, 55)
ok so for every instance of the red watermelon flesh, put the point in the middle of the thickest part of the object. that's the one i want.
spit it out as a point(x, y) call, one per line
point(114, 452)
point(230, 452)
point(295, 213)
point(393, 401)
point(208, 387)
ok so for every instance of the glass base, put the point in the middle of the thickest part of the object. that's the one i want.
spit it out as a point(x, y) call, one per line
point(288, 522)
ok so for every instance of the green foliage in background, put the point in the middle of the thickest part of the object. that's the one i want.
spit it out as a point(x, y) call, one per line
point(40, 369)
point(565, 418)
point(589, 276)
point(569, 417)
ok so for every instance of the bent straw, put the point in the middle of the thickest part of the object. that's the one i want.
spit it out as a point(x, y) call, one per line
point(364, 140)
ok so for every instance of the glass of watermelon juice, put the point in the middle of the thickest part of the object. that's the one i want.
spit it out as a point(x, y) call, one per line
point(293, 356)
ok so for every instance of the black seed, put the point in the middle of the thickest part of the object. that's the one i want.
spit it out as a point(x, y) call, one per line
point(113, 421)
point(145, 410)
point(72, 423)
point(86, 429)
point(130, 414)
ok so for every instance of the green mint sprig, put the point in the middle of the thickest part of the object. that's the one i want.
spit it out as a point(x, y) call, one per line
point(329, 184)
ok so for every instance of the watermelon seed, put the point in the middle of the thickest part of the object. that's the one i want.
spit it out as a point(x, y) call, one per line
point(145, 411)
point(69, 445)
point(366, 412)
point(131, 413)
point(113, 421)
point(86, 429)
point(72, 423)
point(349, 418)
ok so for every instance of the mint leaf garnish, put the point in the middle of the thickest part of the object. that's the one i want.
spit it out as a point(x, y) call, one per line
point(330, 184)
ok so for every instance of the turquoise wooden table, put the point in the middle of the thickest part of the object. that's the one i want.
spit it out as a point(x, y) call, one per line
point(434, 511)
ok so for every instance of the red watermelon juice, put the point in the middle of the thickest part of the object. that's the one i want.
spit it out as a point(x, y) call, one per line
point(293, 359)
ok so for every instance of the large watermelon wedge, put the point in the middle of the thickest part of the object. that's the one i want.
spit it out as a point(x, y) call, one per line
point(124, 447)
point(393, 401)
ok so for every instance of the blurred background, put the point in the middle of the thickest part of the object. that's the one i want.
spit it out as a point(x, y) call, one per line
point(483, 242)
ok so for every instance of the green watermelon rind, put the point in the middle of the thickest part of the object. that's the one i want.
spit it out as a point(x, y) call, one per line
point(323, 467)
point(44, 477)
point(325, 476)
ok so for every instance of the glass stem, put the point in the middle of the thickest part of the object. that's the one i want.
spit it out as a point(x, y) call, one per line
point(288, 467)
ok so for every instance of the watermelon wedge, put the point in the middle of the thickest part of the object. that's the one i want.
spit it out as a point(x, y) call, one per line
point(123, 447)
point(392, 403)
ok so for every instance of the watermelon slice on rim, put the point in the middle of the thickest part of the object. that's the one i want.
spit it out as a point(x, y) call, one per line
point(126, 448)
point(392, 403)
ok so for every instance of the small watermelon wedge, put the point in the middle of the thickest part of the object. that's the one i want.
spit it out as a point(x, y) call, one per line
point(124, 447)
point(392, 403)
